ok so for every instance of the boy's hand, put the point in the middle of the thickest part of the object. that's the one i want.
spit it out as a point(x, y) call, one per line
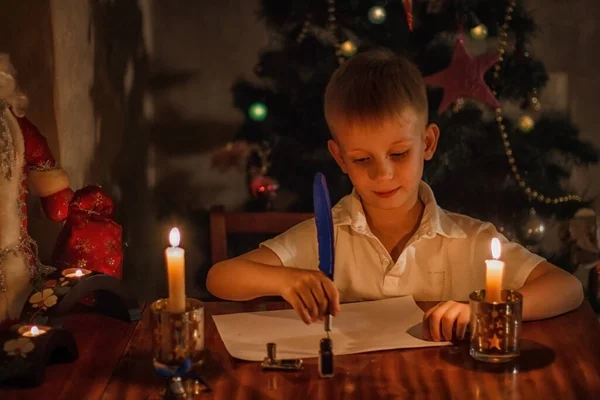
point(311, 293)
point(439, 321)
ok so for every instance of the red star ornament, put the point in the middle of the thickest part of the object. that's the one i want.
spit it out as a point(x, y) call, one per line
point(464, 78)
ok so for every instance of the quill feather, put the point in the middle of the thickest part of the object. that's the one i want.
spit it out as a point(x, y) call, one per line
point(324, 222)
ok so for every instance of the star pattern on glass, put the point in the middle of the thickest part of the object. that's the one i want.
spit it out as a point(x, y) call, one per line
point(495, 342)
point(180, 352)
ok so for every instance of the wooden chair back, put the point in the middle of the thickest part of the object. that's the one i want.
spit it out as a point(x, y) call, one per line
point(224, 222)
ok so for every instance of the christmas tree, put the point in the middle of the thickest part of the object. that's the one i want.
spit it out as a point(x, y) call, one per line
point(501, 157)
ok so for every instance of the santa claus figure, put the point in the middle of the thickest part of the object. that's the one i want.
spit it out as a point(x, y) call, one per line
point(25, 164)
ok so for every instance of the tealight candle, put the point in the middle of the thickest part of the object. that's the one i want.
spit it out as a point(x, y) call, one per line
point(75, 273)
point(33, 330)
point(494, 274)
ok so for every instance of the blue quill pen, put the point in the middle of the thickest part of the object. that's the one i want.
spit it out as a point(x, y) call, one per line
point(324, 222)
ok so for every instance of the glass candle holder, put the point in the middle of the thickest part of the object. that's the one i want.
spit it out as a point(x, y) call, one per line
point(177, 337)
point(495, 327)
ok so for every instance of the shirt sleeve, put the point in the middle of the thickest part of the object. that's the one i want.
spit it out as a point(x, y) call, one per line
point(518, 261)
point(297, 247)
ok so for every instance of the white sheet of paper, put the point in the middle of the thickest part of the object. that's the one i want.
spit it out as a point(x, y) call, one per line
point(393, 323)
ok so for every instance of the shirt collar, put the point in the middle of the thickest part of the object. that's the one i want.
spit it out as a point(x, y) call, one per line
point(349, 211)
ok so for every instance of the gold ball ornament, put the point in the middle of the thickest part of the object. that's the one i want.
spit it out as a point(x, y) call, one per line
point(479, 32)
point(526, 123)
point(348, 48)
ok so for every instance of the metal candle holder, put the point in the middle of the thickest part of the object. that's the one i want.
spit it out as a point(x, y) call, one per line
point(495, 326)
point(177, 337)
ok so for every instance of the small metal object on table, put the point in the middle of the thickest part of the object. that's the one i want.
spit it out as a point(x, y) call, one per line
point(271, 361)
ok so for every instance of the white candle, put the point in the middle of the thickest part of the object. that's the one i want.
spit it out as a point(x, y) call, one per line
point(494, 274)
point(175, 257)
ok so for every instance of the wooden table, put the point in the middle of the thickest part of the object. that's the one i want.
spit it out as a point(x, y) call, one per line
point(101, 342)
point(560, 359)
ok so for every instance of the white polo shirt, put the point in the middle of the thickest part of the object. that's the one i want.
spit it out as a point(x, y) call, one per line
point(444, 260)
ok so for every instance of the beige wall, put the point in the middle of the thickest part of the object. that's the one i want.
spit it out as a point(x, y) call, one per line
point(25, 34)
point(78, 132)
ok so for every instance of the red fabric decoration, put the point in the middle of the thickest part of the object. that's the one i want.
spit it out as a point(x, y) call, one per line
point(464, 78)
point(56, 206)
point(90, 238)
point(38, 157)
point(37, 152)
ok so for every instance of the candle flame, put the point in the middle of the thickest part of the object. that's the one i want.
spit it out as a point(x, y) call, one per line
point(174, 237)
point(495, 248)
point(34, 330)
point(78, 273)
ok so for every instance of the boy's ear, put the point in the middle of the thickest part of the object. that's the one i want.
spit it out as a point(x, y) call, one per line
point(431, 137)
point(336, 152)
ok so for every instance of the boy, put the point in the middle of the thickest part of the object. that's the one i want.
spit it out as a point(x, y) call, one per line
point(391, 238)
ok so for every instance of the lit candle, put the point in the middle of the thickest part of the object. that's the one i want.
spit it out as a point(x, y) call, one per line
point(494, 274)
point(32, 330)
point(75, 273)
point(176, 273)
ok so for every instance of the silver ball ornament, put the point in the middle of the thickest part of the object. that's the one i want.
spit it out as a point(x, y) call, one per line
point(377, 15)
point(534, 229)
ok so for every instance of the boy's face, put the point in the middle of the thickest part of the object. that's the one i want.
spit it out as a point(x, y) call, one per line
point(385, 163)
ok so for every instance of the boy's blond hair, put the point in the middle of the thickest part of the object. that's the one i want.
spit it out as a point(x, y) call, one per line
point(373, 87)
